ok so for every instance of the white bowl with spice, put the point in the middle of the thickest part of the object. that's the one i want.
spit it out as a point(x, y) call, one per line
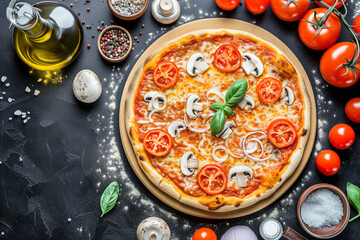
point(114, 43)
point(128, 9)
point(323, 211)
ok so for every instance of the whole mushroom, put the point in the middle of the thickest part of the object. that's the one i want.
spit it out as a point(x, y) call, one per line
point(153, 228)
point(86, 86)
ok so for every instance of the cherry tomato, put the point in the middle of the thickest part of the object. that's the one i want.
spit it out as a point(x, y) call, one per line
point(356, 24)
point(165, 74)
point(227, 58)
point(330, 3)
point(352, 109)
point(292, 12)
point(342, 136)
point(328, 162)
point(281, 132)
point(257, 6)
point(157, 142)
point(332, 59)
point(212, 179)
point(327, 36)
point(204, 234)
point(227, 4)
point(269, 90)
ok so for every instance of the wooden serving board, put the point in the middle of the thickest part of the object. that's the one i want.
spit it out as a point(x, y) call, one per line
point(214, 24)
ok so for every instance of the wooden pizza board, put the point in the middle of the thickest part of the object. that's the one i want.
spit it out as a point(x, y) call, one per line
point(216, 23)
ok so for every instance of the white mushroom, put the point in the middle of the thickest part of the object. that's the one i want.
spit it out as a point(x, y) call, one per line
point(241, 175)
point(288, 95)
point(153, 228)
point(176, 127)
point(252, 65)
point(86, 86)
point(192, 106)
point(246, 101)
point(196, 64)
point(226, 131)
point(188, 163)
point(155, 99)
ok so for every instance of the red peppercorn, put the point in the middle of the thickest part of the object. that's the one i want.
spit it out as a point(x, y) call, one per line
point(115, 50)
point(105, 44)
point(88, 9)
point(108, 36)
point(102, 39)
point(101, 29)
point(102, 50)
point(88, 45)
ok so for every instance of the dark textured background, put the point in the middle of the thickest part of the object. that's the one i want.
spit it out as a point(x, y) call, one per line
point(57, 165)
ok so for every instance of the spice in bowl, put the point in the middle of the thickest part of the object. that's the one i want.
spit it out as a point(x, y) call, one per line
point(128, 7)
point(322, 208)
point(114, 43)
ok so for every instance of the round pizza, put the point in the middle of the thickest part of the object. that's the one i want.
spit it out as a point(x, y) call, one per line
point(218, 119)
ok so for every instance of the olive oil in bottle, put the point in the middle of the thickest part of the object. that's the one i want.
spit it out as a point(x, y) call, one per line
point(47, 36)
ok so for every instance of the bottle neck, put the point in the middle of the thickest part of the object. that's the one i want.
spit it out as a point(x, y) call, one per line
point(38, 29)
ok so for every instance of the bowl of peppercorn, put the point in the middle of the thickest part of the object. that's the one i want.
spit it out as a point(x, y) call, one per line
point(128, 9)
point(114, 43)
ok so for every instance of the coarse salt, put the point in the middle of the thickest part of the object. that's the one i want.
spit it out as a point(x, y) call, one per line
point(322, 208)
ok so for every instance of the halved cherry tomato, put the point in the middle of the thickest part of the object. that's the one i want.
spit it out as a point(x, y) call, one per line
point(227, 58)
point(165, 74)
point(330, 3)
point(281, 132)
point(257, 6)
point(331, 67)
point(352, 109)
point(328, 162)
point(356, 24)
point(204, 234)
point(342, 136)
point(212, 179)
point(269, 90)
point(292, 12)
point(327, 36)
point(157, 142)
point(227, 4)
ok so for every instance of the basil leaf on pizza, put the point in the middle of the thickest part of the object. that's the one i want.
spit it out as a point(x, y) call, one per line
point(236, 92)
point(217, 106)
point(217, 122)
point(228, 111)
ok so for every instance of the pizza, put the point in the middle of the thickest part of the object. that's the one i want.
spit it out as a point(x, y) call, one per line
point(218, 119)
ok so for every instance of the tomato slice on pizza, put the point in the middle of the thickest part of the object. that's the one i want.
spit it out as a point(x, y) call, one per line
point(227, 58)
point(212, 179)
point(269, 90)
point(157, 142)
point(166, 74)
point(281, 133)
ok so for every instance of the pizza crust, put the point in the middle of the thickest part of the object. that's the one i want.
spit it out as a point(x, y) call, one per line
point(169, 187)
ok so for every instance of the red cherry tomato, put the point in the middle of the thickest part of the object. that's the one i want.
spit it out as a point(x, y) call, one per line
point(356, 24)
point(342, 136)
point(204, 234)
point(328, 162)
point(327, 36)
point(332, 59)
point(257, 6)
point(330, 3)
point(157, 142)
point(227, 5)
point(227, 58)
point(292, 12)
point(352, 109)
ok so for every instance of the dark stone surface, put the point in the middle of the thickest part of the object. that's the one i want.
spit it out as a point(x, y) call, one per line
point(56, 166)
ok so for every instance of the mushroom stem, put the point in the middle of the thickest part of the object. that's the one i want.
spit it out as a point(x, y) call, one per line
point(201, 66)
point(153, 236)
point(198, 107)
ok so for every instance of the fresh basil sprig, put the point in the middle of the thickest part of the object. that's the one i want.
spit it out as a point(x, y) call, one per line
point(233, 96)
point(109, 197)
point(353, 194)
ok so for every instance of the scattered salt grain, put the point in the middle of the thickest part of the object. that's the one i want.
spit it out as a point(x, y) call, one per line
point(10, 118)
point(7, 84)
point(27, 89)
point(36, 92)
point(17, 113)
point(3, 78)
point(322, 208)
point(10, 100)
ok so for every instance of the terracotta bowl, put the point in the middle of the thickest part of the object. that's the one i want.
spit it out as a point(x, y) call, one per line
point(128, 17)
point(326, 232)
point(99, 41)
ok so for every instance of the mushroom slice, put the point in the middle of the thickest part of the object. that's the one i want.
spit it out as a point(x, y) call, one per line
point(155, 99)
point(252, 65)
point(246, 101)
point(196, 64)
point(241, 175)
point(192, 106)
point(153, 228)
point(226, 131)
point(188, 163)
point(288, 95)
point(176, 127)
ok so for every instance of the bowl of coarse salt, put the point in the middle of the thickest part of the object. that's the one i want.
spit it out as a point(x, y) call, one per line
point(323, 211)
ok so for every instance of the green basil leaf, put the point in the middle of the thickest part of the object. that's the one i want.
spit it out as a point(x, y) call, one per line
point(217, 106)
point(236, 92)
point(353, 195)
point(228, 111)
point(217, 122)
point(109, 197)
